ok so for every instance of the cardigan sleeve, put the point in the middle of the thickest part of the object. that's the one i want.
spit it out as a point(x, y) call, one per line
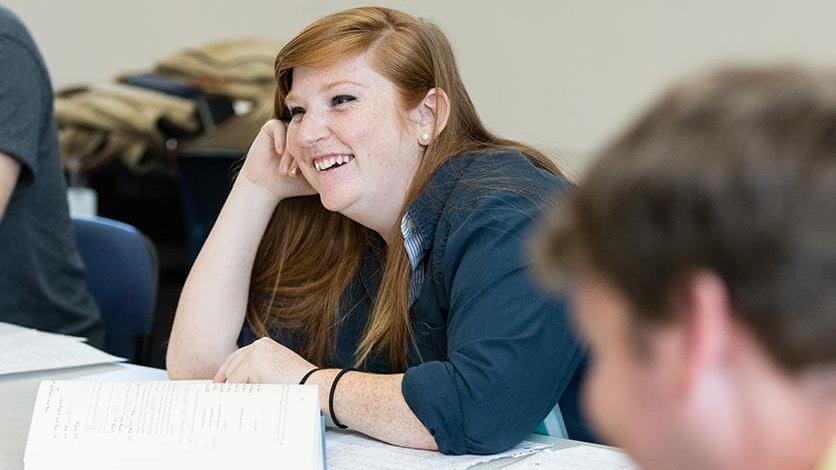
point(511, 351)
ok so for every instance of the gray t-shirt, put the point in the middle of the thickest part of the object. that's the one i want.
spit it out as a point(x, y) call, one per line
point(41, 273)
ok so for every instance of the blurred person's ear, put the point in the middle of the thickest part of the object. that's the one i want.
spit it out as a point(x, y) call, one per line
point(708, 330)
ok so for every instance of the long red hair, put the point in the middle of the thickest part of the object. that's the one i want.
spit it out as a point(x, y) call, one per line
point(308, 254)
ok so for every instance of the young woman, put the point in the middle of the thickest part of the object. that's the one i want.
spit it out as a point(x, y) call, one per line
point(377, 225)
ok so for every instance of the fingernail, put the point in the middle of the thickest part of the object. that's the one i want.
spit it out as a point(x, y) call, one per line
point(293, 171)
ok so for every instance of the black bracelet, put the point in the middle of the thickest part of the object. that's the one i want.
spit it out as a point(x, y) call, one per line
point(308, 374)
point(331, 397)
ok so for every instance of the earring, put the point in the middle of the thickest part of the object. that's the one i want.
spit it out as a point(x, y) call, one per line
point(425, 139)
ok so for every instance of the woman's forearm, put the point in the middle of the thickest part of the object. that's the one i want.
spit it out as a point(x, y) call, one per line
point(213, 302)
point(373, 404)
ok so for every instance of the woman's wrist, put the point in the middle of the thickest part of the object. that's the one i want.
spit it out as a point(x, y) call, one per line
point(243, 220)
point(256, 192)
point(331, 394)
point(308, 374)
point(323, 378)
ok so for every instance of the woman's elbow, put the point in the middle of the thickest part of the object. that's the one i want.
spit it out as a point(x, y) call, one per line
point(493, 444)
point(183, 364)
point(179, 369)
point(495, 433)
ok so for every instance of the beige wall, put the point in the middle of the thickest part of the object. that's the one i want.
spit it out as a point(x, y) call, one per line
point(563, 75)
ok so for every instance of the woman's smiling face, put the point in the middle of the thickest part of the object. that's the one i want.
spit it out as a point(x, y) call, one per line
point(352, 140)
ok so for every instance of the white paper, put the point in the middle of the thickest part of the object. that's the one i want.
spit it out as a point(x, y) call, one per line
point(349, 451)
point(31, 350)
point(82, 201)
point(581, 457)
point(126, 373)
point(7, 328)
point(173, 424)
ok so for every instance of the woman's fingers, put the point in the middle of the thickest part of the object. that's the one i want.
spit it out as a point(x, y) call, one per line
point(228, 371)
point(276, 130)
point(285, 163)
point(220, 375)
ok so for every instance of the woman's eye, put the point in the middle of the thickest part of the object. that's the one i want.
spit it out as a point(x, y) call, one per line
point(341, 99)
point(295, 112)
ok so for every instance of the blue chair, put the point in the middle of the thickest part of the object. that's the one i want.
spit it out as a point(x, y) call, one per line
point(553, 425)
point(122, 275)
point(206, 177)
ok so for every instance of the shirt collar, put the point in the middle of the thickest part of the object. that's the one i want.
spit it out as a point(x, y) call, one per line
point(427, 208)
point(412, 240)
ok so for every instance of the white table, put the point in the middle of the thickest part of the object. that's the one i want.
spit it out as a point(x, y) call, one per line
point(18, 393)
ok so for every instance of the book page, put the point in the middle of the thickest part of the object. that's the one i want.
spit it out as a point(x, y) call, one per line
point(8, 328)
point(350, 451)
point(185, 423)
point(582, 457)
point(31, 350)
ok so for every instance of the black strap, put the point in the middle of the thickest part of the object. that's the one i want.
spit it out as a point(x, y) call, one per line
point(331, 397)
point(308, 374)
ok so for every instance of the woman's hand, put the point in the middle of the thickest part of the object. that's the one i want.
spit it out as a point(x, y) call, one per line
point(271, 166)
point(263, 361)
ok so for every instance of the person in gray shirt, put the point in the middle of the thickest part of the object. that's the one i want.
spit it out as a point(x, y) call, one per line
point(41, 273)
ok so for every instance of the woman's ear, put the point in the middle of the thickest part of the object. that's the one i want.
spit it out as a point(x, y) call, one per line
point(432, 115)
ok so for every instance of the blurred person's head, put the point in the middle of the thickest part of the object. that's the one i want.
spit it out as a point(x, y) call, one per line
point(702, 247)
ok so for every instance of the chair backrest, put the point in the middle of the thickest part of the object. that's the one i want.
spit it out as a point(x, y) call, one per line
point(122, 275)
point(553, 425)
point(205, 180)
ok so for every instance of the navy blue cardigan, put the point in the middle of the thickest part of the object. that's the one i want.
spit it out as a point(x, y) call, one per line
point(493, 353)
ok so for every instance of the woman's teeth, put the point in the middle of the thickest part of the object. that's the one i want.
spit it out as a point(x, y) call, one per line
point(327, 163)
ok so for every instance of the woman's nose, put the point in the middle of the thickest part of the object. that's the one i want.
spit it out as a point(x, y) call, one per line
point(313, 128)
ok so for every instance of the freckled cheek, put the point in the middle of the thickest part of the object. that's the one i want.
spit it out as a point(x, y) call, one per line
point(369, 147)
point(373, 135)
point(292, 142)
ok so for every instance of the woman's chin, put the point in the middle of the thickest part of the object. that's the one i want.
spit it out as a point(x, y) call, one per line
point(332, 202)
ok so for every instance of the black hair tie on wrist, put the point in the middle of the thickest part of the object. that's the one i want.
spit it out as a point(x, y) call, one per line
point(331, 397)
point(308, 374)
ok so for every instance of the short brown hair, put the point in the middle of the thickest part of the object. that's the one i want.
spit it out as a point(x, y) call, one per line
point(734, 172)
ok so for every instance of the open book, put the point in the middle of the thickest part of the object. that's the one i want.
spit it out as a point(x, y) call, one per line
point(174, 424)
